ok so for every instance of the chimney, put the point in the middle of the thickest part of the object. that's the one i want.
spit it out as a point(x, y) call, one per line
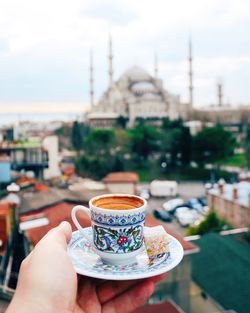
point(221, 185)
point(221, 188)
point(235, 193)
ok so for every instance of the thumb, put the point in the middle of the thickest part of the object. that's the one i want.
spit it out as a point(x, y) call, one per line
point(65, 229)
point(60, 234)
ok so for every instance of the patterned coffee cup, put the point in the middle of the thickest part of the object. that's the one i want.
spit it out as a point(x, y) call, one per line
point(117, 222)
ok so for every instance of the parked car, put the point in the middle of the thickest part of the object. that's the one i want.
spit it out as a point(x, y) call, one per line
point(171, 205)
point(186, 216)
point(162, 215)
point(203, 201)
point(194, 204)
point(144, 194)
point(199, 204)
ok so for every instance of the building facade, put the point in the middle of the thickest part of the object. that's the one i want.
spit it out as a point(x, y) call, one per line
point(136, 94)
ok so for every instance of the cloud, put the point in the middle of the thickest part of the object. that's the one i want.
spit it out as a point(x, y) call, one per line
point(111, 11)
point(44, 45)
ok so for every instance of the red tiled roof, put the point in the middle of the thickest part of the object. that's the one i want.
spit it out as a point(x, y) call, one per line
point(55, 214)
point(4, 213)
point(121, 177)
point(164, 307)
point(24, 180)
point(187, 246)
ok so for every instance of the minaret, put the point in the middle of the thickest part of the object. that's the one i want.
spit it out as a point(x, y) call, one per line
point(91, 79)
point(190, 73)
point(156, 65)
point(220, 92)
point(110, 57)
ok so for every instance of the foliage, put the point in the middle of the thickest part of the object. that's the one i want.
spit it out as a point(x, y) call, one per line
point(76, 136)
point(121, 122)
point(143, 141)
point(213, 144)
point(247, 147)
point(238, 159)
point(144, 148)
point(175, 143)
point(212, 223)
point(78, 133)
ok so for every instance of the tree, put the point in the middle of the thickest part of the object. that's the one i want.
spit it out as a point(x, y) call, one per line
point(213, 144)
point(99, 141)
point(175, 143)
point(121, 121)
point(76, 137)
point(247, 146)
point(143, 141)
point(212, 223)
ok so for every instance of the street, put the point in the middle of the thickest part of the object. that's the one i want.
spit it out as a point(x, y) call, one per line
point(187, 190)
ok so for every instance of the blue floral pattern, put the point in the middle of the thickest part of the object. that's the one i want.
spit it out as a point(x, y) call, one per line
point(117, 220)
point(120, 240)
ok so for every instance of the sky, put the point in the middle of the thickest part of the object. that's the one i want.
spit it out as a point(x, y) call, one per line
point(45, 46)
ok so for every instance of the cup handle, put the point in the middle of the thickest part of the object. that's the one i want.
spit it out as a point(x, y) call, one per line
point(73, 216)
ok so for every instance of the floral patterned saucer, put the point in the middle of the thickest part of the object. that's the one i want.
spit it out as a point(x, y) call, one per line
point(88, 263)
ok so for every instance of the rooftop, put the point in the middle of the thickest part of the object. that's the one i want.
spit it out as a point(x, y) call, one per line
point(31, 202)
point(221, 269)
point(121, 177)
point(243, 192)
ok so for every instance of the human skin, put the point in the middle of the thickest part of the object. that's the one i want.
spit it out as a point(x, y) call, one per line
point(48, 283)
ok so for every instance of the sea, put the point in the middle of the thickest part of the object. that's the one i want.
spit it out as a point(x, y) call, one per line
point(8, 119)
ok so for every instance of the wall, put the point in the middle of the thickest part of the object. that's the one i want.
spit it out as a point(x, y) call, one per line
point(235, 214)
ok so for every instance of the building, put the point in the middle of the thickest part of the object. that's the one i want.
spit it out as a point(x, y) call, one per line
point(136, 94)
point(121, 182)
point(39, 156)
point(221, 269)
point(232, 203)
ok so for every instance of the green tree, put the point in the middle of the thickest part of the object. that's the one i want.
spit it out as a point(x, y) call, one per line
point(76, 137)
point(144, 140)
point(175, 143)
point(213, 144)
point(99, 141)
point(121, 121)
point(212, 223)
point(247, 146)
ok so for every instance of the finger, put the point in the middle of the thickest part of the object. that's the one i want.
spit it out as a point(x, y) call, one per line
point(60, 234)
point(110, 289)
point(156, 279)
point(130, 299)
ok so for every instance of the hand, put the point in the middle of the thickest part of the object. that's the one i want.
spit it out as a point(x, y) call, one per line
point(48, 283)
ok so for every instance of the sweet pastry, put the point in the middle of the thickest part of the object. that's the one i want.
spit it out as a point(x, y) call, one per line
point(156, 240)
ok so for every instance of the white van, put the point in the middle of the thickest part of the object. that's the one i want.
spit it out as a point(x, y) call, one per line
point(163, 188)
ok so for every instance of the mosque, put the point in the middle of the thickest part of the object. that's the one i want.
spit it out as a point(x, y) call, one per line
point(136, 94)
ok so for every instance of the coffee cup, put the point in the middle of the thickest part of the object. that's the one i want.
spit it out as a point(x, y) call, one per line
point(117, 222)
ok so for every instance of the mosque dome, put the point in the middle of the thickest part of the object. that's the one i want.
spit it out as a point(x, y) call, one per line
point(136, 73)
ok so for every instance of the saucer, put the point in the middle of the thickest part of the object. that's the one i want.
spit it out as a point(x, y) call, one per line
point(87, 262)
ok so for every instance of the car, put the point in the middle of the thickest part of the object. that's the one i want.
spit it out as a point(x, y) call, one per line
point(172, 204)
point(186, 216)
point(194, 204)
point(162, 215)
point(144, 194)
point(203, 201)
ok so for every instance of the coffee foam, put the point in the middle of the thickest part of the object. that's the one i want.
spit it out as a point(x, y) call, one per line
point(118, 203)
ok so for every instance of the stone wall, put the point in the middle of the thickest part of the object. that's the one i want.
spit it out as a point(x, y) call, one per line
point(231, 211)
